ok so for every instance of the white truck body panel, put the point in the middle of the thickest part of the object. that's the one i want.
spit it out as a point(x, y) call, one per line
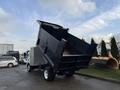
point(35, 57)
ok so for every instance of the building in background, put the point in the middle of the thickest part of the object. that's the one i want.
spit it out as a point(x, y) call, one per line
point(4, 48)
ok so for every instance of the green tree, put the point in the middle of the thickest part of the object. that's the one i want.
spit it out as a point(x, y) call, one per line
point(104, 51)
point(114, 48)
point(95, 52)
point(92, 41)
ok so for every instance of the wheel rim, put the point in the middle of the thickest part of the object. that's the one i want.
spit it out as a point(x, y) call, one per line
point(28, 68)
point(46, 74)
point(10, 65)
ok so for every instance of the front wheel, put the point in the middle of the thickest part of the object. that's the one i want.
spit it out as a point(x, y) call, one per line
point(49, 74)
point(29, 68)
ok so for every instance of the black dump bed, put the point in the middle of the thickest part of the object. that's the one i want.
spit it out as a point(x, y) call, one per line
point(62, 50)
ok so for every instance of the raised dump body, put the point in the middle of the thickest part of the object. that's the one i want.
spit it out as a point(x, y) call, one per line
point(63, 52)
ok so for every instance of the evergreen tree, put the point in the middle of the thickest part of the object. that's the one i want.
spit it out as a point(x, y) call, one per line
point(92, 41)
point(104, 51)
point(95, 52)
point(114, 48)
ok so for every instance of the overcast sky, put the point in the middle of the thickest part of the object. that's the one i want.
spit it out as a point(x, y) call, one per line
point(84, 18)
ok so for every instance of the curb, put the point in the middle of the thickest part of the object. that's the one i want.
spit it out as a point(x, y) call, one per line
point(100, 78)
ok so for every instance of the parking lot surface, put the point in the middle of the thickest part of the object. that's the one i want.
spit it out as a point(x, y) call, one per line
point(18, 79)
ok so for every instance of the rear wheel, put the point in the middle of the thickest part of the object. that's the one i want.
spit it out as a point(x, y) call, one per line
point(10, 65)
point(49, 74)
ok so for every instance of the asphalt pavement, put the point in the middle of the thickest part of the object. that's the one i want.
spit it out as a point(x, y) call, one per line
point(18, 78)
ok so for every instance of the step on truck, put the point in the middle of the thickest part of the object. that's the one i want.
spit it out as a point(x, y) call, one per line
point(58, 52)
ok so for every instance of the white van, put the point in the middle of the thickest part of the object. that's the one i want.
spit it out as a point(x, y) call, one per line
point(8, 61)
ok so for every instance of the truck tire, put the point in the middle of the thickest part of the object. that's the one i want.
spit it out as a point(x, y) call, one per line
point(29, 68)
point(69, 74)
point(48, 74)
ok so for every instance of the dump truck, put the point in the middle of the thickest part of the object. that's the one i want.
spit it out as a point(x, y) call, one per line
point(58, 52)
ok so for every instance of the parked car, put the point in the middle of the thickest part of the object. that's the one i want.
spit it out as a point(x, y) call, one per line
point(14, 54)
point(23, 59)
point(8, 61)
